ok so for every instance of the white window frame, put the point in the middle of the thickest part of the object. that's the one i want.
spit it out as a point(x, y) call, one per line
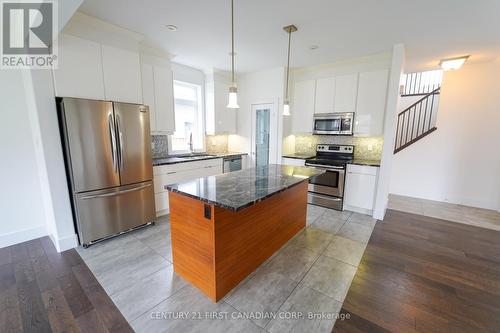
point(201, 117)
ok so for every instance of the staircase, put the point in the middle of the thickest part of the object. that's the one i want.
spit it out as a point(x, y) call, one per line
point(419, 119)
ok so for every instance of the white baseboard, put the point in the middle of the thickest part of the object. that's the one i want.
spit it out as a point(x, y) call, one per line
point(358, 210)
point(68, 242)
point(22, 235)
point(162, 212)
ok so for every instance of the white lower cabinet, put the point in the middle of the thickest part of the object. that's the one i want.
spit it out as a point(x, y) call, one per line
point(293, 161)
point(360, 186)
point(180, 172)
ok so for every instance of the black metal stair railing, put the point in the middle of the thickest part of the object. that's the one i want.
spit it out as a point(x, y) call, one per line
point(416, 121)
point(420, 84)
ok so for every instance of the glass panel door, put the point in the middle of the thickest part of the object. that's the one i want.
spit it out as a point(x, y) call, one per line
point(262, 122)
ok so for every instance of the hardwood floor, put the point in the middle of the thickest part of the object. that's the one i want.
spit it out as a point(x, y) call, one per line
point(421, 274)
point(45, 291)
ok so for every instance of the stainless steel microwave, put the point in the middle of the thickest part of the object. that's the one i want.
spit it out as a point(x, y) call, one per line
point(333, 123)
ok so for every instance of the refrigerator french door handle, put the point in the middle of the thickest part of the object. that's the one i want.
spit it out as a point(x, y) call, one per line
point(115, 193)
point(112, 135)
point(120, 140)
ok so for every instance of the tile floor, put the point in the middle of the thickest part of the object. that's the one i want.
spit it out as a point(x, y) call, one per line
point(484, 218)
point(311, 274)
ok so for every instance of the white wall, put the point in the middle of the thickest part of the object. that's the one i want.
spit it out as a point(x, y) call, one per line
point(21, 201)
point(460, 162)
point(391, 110)
point(188, 74)
point(254, 88)
point(39, 89)
point(30, 159)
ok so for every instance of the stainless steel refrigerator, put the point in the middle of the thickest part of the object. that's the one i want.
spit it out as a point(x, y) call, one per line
point(107, 147)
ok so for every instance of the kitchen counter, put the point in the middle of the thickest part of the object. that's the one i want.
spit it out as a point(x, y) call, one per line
point(224, 227)
point(374, 163)
point(229, 154)
point(173, 159)
point(299, 156)
point(239, 189)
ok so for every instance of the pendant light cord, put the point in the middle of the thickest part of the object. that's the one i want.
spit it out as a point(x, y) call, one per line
point(232, 39)
point(288, 64)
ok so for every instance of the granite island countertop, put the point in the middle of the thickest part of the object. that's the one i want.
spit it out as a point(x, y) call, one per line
point(240, 189)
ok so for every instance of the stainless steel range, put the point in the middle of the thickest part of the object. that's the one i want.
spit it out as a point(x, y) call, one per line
point(327, 189)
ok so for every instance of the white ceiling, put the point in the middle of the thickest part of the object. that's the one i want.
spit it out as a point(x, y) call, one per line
point(343, 29)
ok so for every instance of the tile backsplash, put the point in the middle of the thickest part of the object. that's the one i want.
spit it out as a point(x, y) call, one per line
point(216, 144)
point(159, 145)
point(366, 148)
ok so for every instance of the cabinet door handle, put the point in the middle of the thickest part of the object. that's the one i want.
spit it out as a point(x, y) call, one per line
point(171, 172)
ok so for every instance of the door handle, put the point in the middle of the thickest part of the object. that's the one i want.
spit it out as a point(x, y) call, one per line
point(120, 140)
point(321, 166)
point(111, 128)
point(105, 195)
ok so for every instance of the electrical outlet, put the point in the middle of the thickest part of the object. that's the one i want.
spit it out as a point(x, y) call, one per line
point(310, 144)
point(370, 147)
point(214, 142)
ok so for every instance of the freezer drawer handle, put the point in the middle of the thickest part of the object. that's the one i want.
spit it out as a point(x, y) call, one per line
point(115, 193)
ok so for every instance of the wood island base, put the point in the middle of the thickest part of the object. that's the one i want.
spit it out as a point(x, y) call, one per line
point(216, 248)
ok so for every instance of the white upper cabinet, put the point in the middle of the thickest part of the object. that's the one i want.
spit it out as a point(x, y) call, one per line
point(370, 108)
point(346, 91)
point(80, 69)
point(122, 75)
point(303, 106)
point(148, 93)
point(325, 93)
point(219, 119)
point(158, 93)
point(164, 99)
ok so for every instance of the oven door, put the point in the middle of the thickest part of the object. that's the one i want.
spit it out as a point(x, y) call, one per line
point(327, 125)
point(329, 183)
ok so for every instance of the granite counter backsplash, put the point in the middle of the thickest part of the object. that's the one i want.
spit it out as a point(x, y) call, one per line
point(369, 148)
point(216, 144)
point(159, 145)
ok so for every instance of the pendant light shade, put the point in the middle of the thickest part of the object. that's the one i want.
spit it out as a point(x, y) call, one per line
point(286, 105)
point(233, 90)
point(286, 109)
point(233, 98)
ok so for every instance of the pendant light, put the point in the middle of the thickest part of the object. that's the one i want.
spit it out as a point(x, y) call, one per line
point(286, 104)
point(233, 90)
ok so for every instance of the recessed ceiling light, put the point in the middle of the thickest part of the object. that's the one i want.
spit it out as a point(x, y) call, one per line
point(453, 63)
point(313, 47)
point(171, 27)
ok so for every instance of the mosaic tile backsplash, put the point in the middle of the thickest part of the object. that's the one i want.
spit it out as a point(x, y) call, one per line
point(369, 148)
point(216, 144)
point(159, 145)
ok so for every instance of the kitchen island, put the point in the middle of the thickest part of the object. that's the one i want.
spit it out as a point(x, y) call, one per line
point(223, 227)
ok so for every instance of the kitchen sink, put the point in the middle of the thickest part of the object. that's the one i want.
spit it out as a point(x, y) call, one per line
point(193, 155)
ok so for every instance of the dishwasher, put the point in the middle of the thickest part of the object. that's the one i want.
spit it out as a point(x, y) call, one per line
point(232, 164)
